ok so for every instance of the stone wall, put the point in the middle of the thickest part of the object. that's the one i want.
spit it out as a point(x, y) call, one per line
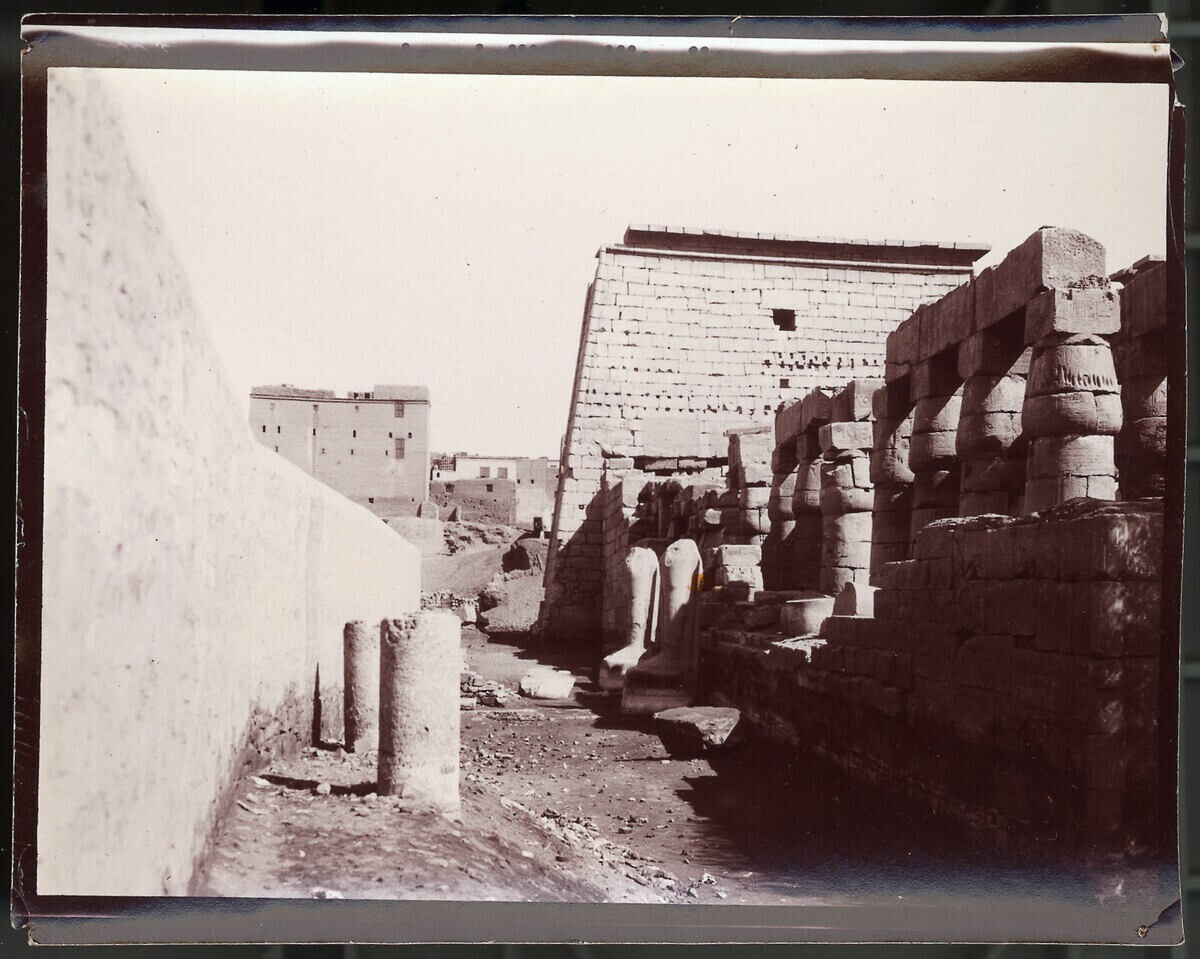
point(965, 600)
point(689, 334)
point(477, 500)
point(195, 583)
point(1008, 678)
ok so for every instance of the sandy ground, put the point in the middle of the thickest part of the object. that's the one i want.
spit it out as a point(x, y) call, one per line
point(569, 801)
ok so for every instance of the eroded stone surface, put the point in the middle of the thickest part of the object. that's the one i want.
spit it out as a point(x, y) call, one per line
point(695, 730)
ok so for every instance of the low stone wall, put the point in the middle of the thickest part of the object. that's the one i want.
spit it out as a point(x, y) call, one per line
point(195, 583)
point(477, 500)
point(1008, 677)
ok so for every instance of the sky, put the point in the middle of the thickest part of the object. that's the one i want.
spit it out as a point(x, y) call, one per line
point(344, 230)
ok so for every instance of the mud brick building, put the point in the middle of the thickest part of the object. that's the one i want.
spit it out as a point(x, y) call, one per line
point(370, 446)
point(518, 490)
point(688, 334)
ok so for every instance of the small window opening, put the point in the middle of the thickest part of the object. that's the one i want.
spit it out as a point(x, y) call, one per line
point(352, 452)
point(370, 499)
point(278, 429)
point(398, 409)
point(489, 487)
point(399, 449)
point(354, 433)
point(485, 472)
point(264, 427)
point(314, 431)
point(784, 382)
point(410, 436)
point(785, 320)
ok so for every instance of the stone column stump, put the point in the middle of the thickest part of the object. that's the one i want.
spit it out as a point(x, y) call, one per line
point(360, 686)
point(420, 666)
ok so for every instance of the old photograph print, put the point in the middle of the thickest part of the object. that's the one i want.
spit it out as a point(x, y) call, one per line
point(705, 491)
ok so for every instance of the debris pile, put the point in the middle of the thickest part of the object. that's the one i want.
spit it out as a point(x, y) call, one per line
point(475, 690)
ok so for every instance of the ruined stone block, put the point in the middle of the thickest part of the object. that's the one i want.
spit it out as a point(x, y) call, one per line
point(755, 497)
point(855, 599)
point(1116, 618)
point(935, 489)
point(1071, 311)
point(890, 402)
point(992, 352)
point(789, 423)
point(934, 377)
point(749, 577)
point(1062, 456)
point(935, 541)
point(943, 323)
point(837, 499)
point(1051, 257)
point(890, 466)
point(1144, 299)
point(1072, 414)
point(904, 344)
point(853, 401)
point(840, 437)
point(991, 473)
point(833, 579)
point(803, 617)
point(1114, 546)
point(734, 555)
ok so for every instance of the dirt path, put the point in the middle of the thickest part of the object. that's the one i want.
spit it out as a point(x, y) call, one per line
point(568, 801)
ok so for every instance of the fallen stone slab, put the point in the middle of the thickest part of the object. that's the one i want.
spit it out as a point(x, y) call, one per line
point(546, 683)
point(696, 730)
point(803, 617)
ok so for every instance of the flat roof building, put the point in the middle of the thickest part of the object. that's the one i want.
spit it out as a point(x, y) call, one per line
point(370, 446)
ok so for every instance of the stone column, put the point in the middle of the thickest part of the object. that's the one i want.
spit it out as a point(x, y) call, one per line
point(1140, 356)
point(750, 474)
point(993, 364)
point(891, 510)
point(937, 394)
point(360, 686)
point(641, 586)
point(420, 663)
point(1141, 446)
point(777, 549)
point(806, 514)
point(847, 497)
point(1072, 408)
